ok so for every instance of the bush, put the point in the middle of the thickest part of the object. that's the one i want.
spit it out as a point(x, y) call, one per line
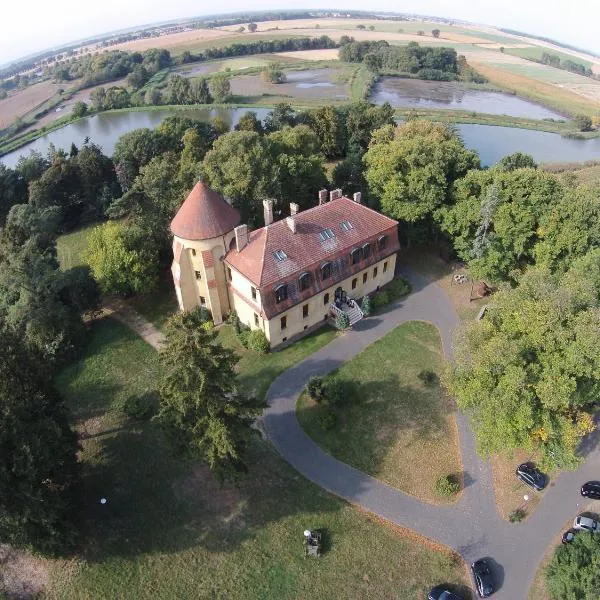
point(342, 321)
point(244, 336)
point(336, 391)
point(517, 515)
point(381, 299)
point(257, 340)
point(366, 305)
point(429, 378)
point(328, 419)
point(316, 388)
point(583, 122)
point(447, 486)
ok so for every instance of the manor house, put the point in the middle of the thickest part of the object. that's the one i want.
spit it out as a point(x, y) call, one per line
point(289, 276)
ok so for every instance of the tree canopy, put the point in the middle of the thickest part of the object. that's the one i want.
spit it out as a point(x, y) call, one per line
point(39, 475)
point(529, 373)
point(202, 410)
point(574, 572)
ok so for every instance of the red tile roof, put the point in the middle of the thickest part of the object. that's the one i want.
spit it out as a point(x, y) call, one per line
point(205, 214)
point(305, 248)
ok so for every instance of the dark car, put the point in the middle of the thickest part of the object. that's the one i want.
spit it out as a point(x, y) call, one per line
point(439, 593)
point(528, 474)
point(568, 536)
point(591, 489)
point(482, 574)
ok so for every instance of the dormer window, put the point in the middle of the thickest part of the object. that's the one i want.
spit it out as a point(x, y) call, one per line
point(326, 234)
point(281, 293)
point(381, 242)
point(366, 251)
point(355, 254)
point(345, 226)
point(279, 255)
point(304, 281)
point(325, 271)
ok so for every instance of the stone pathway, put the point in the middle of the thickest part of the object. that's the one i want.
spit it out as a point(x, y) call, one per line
point(122, 312)
point(472, 526)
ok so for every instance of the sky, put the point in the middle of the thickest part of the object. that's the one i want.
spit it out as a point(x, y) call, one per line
point(29, 26)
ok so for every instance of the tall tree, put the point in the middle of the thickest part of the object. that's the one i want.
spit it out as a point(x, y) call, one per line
point(220, 88)
point(201, 408)
point(574, 571)
point(39, 475)
point(412, 174)
point(529, 373)
point(13, 190)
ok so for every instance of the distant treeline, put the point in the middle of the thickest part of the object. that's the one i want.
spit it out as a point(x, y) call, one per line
point(568, 65)
point(141, 66)
point(549, 40)
point(435, 63)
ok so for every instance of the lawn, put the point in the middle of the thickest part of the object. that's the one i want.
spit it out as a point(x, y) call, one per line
point(392, 425)
point(168, 531)
point(71, 247)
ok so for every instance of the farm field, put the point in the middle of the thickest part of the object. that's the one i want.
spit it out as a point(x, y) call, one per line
point(25, 101)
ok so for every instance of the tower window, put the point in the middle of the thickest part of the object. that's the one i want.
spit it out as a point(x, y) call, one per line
point(364, 278)
point(326, 299)
point(256, 319)
point(305, 311)
point(283, 322)
point(198, 274)
point(253, 292)
point(385, 266)
point(374, 272)
point(354, 282)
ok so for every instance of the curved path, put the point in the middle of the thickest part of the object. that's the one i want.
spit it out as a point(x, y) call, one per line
point(472, 526)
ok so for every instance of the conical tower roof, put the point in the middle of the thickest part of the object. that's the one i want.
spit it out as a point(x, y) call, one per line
point(205, 214)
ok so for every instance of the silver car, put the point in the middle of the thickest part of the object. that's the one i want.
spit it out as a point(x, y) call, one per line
point(586, 524)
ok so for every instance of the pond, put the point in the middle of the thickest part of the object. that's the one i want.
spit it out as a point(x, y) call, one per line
point(492, 143)
point(415, 93)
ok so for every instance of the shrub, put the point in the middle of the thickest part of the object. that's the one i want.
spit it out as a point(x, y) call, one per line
point(517, 515)
point(583, 122)
point(447, 486)
point(328, 419)
point(342, 321)
point(429, 378)
point(257, 340)
point(336, 391)
point(366, 305)
point(316, 388)
point(234, 321)
point(381, 299)
point(243, 337)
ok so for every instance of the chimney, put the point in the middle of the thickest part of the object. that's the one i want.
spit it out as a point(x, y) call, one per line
point(357, 197)
point(268, 210)
point(241, 236)
point(322, 196)
point(291, 224)
point(294, 208)
point(335, 194)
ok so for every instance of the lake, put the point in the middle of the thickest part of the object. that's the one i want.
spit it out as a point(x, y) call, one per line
point(492, 143)
point(415, 93)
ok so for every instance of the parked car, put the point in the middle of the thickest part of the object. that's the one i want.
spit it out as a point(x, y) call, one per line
point(591, 489)
point(482, 573)
point(586, 524)
point(439, 593)
point(533, 477)
point(568, 536)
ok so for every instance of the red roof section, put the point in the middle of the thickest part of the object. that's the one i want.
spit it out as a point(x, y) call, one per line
point(305, 248)
point(205, 214)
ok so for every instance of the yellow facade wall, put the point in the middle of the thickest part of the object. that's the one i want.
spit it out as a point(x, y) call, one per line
point(318, 310)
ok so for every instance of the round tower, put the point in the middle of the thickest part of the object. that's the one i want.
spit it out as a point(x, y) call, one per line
point(203, 230)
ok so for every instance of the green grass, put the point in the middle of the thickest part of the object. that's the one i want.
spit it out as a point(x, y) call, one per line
point(257, 371)
point(71, 247)
point(392, 425)
point(535, 53)
point(158, 305)
point(168, 531)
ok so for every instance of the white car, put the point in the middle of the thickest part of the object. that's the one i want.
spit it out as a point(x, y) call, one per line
point(586, 524)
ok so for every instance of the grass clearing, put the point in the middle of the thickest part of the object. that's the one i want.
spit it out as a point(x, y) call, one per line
point(70, 247)
point(392, 425)
point(169, 531)
point(158, 305)
point(508, 489)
